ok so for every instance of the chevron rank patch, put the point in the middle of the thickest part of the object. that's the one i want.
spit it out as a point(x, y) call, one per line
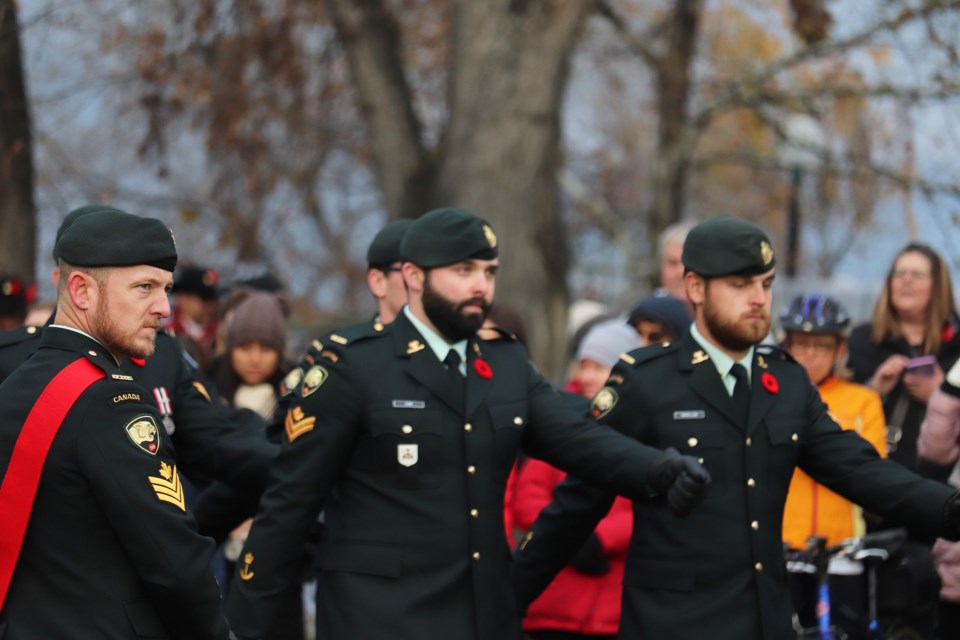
point(167, 486)
point(297, 424)
point(603, 402)
point(142, 432)
point(312, 379)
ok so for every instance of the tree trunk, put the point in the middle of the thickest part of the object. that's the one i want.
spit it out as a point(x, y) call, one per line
point(500, 152)
point(18, 229)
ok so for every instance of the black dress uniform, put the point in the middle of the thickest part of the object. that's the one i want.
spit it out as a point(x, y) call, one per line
point(409, 461)
point(720, 572)
point(109, 549)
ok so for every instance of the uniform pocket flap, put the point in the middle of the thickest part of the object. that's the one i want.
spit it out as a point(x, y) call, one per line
point(373, 559)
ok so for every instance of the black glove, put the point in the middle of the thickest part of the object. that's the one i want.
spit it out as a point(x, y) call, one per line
point(589, 559)
point(682, 478)
point(951, 518)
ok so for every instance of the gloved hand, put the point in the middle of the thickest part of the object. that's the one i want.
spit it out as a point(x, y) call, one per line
point(589, 559)
point(951, 518)
point(682, 478)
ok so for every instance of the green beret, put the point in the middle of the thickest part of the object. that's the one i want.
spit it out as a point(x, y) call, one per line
point(71, 217)
point(447, 236)
point(113, 238)
point(384, 250)
point(726, 246)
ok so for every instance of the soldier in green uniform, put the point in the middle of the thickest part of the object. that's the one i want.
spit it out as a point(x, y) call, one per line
point(96, 537)
point(405, 437)
point(751, 415)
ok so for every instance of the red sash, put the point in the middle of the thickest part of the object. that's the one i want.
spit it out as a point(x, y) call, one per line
point(20, 483)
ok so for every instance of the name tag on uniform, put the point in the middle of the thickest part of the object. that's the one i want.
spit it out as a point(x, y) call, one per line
point(409, 404)
point(407, 454)
point(698, 414)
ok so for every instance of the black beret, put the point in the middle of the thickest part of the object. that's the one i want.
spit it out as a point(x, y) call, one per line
point(14, 296)
point(196, 280)
point(727, 246)
point(71, 217)
point(447, 236)
point(113, 238)
point(385, 247)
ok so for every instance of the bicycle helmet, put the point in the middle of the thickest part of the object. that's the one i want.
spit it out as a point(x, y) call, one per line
point(815, 313)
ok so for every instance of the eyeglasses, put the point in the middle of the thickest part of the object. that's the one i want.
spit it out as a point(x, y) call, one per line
point(904, 274)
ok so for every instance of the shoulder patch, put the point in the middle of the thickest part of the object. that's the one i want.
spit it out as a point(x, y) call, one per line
point(603, 402)
point(291, 381)
point(144, 434)
point(126, 397)
point(167, 486)
point(312, 380)
point(121, 376)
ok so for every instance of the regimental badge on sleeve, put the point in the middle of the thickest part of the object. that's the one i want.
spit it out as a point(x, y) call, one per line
point(291, 381)
point(603, 402)
point(168, 487)
point(142, 432)
point(312, 380)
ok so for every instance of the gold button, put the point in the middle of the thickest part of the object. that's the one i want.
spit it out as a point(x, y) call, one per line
point(93, 353)
point(794, 437)
point(692, 442)
point(471, 469)
point(406, 428)
point(749, 442)
point(474, 513)
point(31, 330)
point(468, 427)
point(476, 555)
point(755, 525)
point(518, 421)
point(751, 483)
point(666, 343)
point(758, 567)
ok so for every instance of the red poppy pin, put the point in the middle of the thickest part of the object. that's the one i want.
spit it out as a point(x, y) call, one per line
point(140, 362)
point(949, 332)
point(482, 368)
point(769, 382)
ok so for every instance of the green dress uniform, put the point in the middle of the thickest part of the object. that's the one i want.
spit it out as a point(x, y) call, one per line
point(410, 464)
point(110, 550)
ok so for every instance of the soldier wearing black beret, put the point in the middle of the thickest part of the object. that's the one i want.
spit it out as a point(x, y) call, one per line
point(96, 532)
point(405, 438)
point(750, 415)
point(14, 298)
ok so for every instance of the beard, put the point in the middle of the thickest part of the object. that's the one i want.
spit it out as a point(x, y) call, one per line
point(112, 336)
point(734, 334)
point(449, 317)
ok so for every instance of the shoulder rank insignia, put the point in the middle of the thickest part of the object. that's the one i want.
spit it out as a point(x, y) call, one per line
point(603, 402)
point(699, 356)
point(761, 362)
point(142, 432)
point(120, 376)
point(329, 355)
point(297, 423)
point(291, 381)
point(312, 379)
point(414, 346)
point(338, 339)
point(202, 390)
point(629, 359)
point(168, 487)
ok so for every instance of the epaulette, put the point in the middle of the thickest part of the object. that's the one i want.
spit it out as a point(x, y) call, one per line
point(645, 354)
point(20, 334)
point(352, 334)
point(491, 334)
point(775, 352)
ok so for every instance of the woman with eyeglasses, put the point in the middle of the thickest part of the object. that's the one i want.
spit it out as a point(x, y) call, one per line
point(911, 339)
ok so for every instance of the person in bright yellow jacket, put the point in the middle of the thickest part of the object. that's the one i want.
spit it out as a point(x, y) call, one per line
point(815, 327)
point(815, 335)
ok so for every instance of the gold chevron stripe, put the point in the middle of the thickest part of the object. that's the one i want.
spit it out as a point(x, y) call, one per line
point(167, 487)
point(296, 424)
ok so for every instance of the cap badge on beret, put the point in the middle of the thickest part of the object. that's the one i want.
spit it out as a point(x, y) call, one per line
point(10, 287)
point(766, 252)
point(172, 239)
point(491, 236)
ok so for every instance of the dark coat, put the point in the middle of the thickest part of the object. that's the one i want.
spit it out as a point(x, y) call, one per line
point(106, 553)
point(212, 441)
point(410, 469)
point(720, 572)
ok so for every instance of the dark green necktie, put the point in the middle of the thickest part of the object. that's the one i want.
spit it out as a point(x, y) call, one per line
point(741, 393)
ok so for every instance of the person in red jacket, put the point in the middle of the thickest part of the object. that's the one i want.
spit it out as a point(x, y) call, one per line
point(584, 599)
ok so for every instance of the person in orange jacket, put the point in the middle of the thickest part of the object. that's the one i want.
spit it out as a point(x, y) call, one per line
point(815, 335)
